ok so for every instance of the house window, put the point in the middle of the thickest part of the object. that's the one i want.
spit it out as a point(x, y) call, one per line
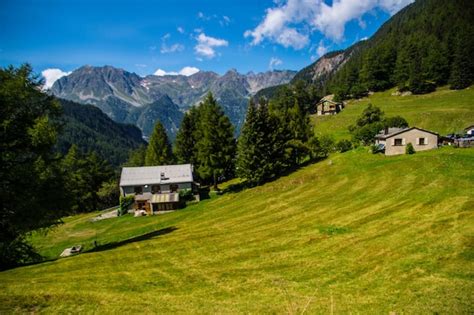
point(155, 189)
point(422, 141)
point(138, 190)
point(398, 141)
point(173, 187)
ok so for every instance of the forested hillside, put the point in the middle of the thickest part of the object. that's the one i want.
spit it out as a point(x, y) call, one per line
point(427, 44)
point(91, 130)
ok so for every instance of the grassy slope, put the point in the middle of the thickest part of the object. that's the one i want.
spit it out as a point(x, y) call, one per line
point(444, 111)
point(359, 232)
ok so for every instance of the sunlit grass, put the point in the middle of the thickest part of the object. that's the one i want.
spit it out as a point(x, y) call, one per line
point(357, 233)
point(444, 111)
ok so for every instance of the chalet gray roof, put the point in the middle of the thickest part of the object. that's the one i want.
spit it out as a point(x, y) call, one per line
point(163, 174)
point(396, 131)
point(385, 133)
point(321, 101)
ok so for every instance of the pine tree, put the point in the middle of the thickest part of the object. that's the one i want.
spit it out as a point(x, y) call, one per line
point(216, 143)
point(300, 132)
point(137, 157)
point(32, 194)
point(257, 161)
point(185, 143)
point(159, 149)
point(249, 164)
point(86, 174)
point(462, 70)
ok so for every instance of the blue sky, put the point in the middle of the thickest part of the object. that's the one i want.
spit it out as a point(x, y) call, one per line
point(144, 36)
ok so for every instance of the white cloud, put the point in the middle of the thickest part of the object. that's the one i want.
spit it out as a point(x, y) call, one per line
point(52, 75)
point(161, 72)
point(274, 62)
point(202, 16)
point(206, 45)
point(165, 49)
point(321, 50)
point(291, 22)
point(277, 25)
point(186, 71)
point(180, 29)
point(225, 20)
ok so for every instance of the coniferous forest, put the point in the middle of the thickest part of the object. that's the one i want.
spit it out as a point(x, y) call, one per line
point(424, 46)
point(427, 44)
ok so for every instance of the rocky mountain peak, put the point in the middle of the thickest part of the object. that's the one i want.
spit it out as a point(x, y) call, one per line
point(127, 97)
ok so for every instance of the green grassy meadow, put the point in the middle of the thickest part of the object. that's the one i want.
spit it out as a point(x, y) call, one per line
point(444, 111)
point(356, 233)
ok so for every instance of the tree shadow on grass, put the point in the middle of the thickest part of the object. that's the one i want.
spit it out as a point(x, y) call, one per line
point(139, 238)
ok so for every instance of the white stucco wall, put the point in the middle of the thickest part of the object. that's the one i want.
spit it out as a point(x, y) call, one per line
point(411, 136)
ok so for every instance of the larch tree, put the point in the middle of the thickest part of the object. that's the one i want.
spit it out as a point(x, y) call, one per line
point(32, 194)
point(216, 144)
point(158, 151)
point(186, 139)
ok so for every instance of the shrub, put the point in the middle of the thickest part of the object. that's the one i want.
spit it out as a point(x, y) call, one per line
point(327, 145)
point(367, 133)
point(374, 148)
point(125, 203)
point(396, 121)
point(186, 194)
point(344, 145)
point(409, 149)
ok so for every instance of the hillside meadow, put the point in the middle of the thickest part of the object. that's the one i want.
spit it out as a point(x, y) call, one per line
point(356, 233)
point(444, 111)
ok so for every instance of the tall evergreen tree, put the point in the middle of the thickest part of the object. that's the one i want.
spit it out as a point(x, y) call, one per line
point(462, 69)
point(32, 194)
point(85, 174)
point(216, 143)
point(186, 139)
point(137, 157)
point(261, 153)
point(158, 151)
point(248, 161)
point(300, 132)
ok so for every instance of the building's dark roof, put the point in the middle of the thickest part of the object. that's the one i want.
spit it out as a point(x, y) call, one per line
point(469, 127)
point(397, 131)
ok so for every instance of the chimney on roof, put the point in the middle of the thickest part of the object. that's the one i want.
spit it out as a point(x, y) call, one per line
point(386, 131)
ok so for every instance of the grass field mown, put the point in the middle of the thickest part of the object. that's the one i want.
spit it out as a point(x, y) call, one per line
point(357, 233)
point(444, 111)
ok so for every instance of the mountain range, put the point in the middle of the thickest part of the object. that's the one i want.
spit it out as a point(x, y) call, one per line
point(128, 98)
point(426, 44)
